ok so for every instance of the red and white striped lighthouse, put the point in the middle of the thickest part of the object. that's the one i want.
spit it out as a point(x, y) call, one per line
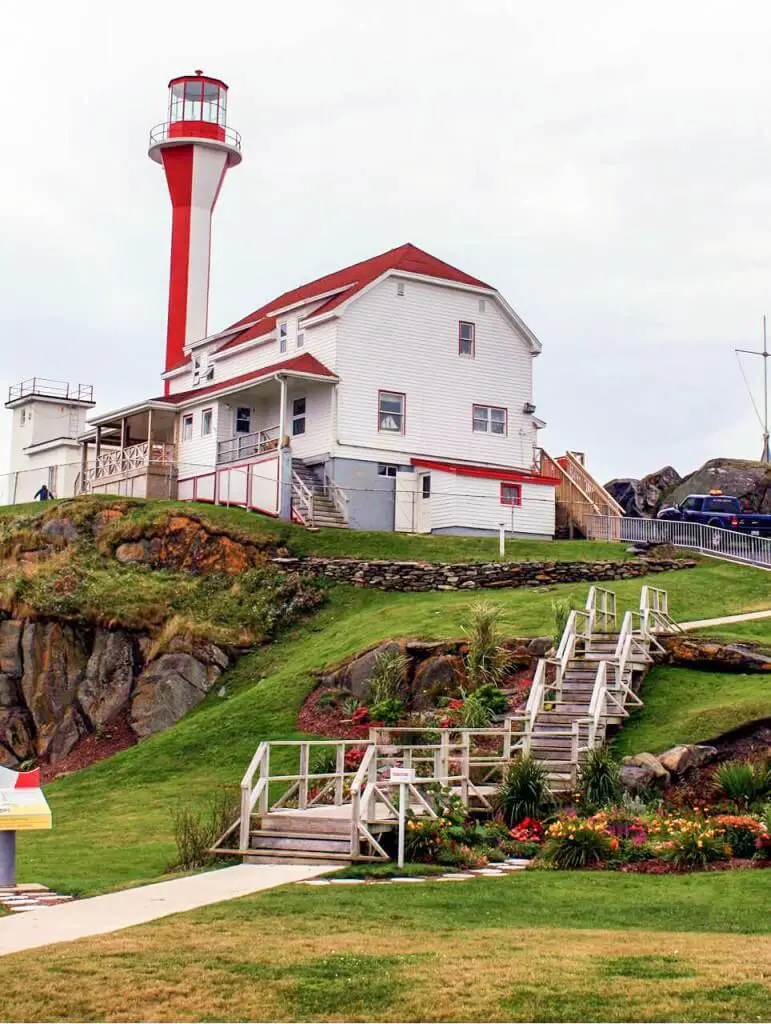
point(196, 147)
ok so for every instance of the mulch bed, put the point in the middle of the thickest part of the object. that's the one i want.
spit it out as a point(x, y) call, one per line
point(660, 867)
point(325, 721)
point(116, 736)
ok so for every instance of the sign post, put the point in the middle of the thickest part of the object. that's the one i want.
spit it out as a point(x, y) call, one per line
point(403, 776)
point(22, 807)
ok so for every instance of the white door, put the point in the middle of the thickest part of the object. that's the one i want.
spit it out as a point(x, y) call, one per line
point(423, 504)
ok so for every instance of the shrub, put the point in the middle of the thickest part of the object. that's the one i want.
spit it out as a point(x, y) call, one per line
point(490, 695)
point(561, 609)
point(423, 837)
point(744, 783)
point(330, 698)
point(695, 844)
point(523, 791)
point(487, 660)
point(195, 832)
point(598, 778)
point(763, 842)
point(741, 833)
point(388, 675)
point(324, 761)
point(573, 843)
point(474, 712)
point(350, 706)
point(389, 712)
point(527, 851)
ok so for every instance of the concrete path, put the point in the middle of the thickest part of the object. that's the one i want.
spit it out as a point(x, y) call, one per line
point(101, 914)
point(726, 620)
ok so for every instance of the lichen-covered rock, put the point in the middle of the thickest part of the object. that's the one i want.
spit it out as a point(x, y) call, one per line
point(184, 543)
point(438, 676)
point(749, 481)
point(54, 660)
point(167, 689)
point(106, 685)
point(10, 647)
point(646, 760)
point(636, 778)
point(134, 551)
point(59, 531)
point(677, 759)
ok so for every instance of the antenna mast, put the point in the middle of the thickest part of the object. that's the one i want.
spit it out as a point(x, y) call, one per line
point(765, 354)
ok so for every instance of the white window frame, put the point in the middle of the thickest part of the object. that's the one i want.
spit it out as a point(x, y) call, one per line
point(282, 337)
point(187, 427)
point(466, 341)
point(301, 339)
point(242, 408)
point(299, 418)
point(482, 421)
point(399, 417)
point(387, 469)
point(207, 418)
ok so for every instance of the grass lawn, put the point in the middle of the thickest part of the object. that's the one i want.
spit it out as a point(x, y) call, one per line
point(112, 822)
point(684, 705)
point(756, 631)
point(536, 946)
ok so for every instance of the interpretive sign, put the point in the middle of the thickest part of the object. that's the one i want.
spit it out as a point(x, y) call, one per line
point(22, 804)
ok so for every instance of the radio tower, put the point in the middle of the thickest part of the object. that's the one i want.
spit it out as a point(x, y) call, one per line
point(764, 354)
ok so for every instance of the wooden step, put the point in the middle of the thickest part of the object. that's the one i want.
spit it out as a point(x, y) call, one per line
point(310, 842)
point(304, 823)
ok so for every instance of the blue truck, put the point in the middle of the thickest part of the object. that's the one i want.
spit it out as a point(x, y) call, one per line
point(719, 510)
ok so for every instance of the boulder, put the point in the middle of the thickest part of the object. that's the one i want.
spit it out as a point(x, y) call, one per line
point(132, 552)
point(439, 676)
point(748, 481)
point(17, 738)
point(703, 754)
point(713, 655)
point(677, 759)
point(167, 689)
point(184, 543)
point(107, 682)
point(54, 661)
point(59, 531)
point(642, 498)
point(358, 675)
point(636, 777)
point(646, 760)
point(10, 647)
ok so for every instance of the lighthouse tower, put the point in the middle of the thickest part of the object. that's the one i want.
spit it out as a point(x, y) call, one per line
point(196, 147)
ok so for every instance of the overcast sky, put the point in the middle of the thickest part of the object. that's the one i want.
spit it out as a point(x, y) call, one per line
point(606, 165)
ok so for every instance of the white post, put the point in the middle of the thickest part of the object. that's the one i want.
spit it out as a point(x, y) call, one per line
point(402, 821)
point(501, 539)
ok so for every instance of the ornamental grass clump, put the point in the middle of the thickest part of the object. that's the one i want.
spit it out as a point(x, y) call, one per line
point(487, 660)
point(746, 784)
point(523, 792)
point(388, 675)
point(598, 779)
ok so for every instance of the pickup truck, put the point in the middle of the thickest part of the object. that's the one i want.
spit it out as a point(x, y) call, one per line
point(721, 510)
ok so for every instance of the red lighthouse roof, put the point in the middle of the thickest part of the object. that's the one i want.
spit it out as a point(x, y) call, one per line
point(341, 285)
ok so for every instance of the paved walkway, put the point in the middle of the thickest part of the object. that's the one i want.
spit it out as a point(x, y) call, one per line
point(726, 620)
point(101, 914)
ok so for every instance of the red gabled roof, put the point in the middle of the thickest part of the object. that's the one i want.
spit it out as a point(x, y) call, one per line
point(346, 283)
point(306, 363)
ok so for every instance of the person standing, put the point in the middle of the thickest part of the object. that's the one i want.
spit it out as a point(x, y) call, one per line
point(44, 494)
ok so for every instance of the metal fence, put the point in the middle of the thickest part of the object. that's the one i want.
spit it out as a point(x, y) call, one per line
point(708, 540)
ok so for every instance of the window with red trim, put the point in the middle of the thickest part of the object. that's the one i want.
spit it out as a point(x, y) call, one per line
point(466, 338)
point(511, 494)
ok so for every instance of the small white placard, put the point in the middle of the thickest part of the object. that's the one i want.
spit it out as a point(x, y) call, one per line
point(402, 775)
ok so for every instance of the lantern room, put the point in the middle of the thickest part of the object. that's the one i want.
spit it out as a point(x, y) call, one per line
point(197, 111)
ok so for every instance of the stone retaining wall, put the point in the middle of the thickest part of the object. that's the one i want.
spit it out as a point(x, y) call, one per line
point(421, 576)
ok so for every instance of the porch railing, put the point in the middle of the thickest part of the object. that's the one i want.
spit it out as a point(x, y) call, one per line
point(246, 446)
point(127, 460)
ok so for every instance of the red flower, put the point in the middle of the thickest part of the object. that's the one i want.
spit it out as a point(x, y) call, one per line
point(360, 715)
point(455, 704)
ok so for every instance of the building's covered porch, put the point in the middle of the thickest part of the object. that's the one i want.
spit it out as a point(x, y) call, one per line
point(132, 451)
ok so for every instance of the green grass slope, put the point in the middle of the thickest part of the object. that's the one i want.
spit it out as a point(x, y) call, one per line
point(112, 822)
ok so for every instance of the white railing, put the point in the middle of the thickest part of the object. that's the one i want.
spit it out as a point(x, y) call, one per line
point(205, 131)
point(51, 389)
point(121, 461)
point(246, 446)
point(731, 545)
point(601, 606)
point(336, 495)
point(302, 499)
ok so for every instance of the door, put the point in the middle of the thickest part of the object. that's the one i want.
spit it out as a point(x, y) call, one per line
point(423, 504)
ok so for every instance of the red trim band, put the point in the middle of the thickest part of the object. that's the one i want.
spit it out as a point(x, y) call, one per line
point(491, 473)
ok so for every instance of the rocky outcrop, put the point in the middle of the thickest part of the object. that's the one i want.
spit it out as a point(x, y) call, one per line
point(748, 481)
point(642, 498)
point(641, 771)
point(714, 655)
point(423, 576)
point(60, 682)
point(184, 543)
point(433, 668)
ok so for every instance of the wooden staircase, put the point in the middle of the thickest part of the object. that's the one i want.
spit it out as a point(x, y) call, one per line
point(301, 838)
point(578, 494)
point(316, 503)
